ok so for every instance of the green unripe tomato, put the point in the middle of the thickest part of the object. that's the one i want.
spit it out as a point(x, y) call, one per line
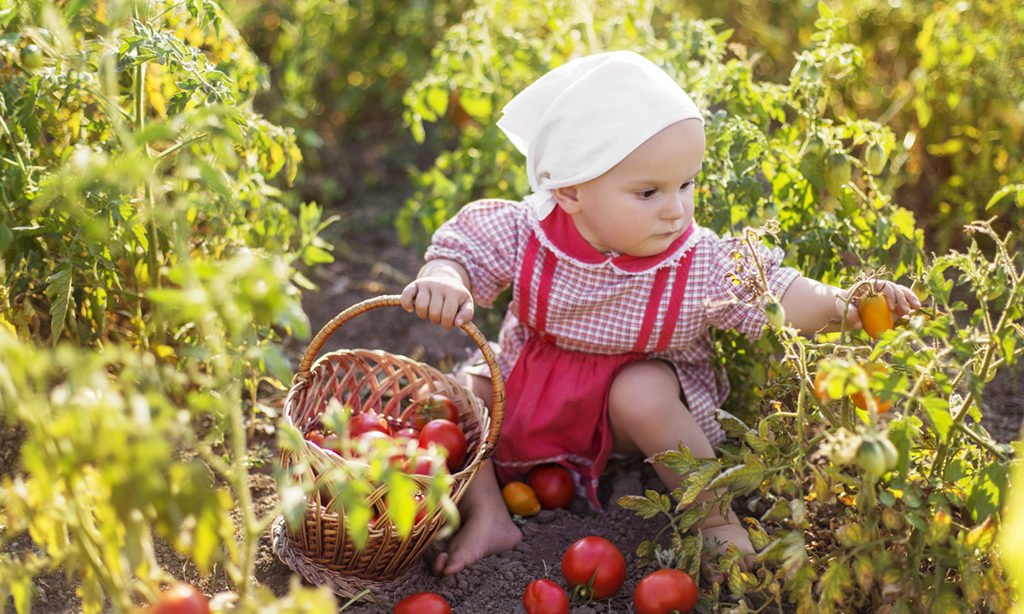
point(815, 147)
point(776, 314)
point(31, 57)
point(837, 173)
point(874, 158)
point(876, 455)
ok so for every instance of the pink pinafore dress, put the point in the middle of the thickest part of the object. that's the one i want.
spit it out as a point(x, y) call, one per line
point(557, 399)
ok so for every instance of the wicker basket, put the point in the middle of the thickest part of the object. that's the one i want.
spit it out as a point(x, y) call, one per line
point(319, 549)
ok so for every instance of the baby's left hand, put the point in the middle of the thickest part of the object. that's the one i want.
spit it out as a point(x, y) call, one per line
point(901, 300)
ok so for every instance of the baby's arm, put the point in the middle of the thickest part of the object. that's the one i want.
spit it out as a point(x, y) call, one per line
point(440, 293)
point(814, 307)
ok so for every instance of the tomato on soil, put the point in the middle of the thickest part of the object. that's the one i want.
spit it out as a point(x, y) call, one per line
point(520, 499)
point(433, 407)
point(180, 598)
point(875, 316)
point(553, 485)
point(545, 597)
point(594, 558)
point(423, 603)
point(445, 434)
point(664, 591)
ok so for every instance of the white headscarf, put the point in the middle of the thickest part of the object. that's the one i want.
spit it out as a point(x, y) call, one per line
point(582, 118)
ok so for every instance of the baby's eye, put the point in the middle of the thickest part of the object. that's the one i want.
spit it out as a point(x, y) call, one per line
point(647, 193)
point(687, 185)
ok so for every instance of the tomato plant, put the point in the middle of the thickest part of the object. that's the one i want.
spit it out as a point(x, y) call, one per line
point(543, 596)
point(445, 434)
point(553, 485)
point(180, 598)
point(665, 591)
point(875, 315)
point(520, 498)
point(423, 603)
point(594, 566)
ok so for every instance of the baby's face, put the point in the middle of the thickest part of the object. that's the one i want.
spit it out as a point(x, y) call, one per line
point(645, 202)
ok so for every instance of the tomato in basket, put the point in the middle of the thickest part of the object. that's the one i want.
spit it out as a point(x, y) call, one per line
point(367, 421)
point(445, 434)
point(433, 407)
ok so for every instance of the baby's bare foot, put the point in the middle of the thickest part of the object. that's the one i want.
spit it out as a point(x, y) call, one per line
point(717, 538)
point(481, 536)
point(487, 526)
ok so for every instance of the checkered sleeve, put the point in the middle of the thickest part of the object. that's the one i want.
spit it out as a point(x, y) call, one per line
point(483, 237)
point(734, 295)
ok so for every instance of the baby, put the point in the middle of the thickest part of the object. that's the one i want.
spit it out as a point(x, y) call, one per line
point(605, 346)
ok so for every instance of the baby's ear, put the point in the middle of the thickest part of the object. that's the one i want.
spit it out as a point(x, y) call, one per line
point(568, 199)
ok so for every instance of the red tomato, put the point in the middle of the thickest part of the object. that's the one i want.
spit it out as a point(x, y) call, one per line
point(553, 485)
point(545, 597)
point(445, 434)
point(180, 598)
point(368, 421)
point(407, 432)
point(433, 407)
point(597, 558)
point(423, 465)
point(316, 436)
point(665, 591)
point(423, 603)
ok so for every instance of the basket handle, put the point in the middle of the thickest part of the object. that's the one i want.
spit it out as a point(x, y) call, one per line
point(392, 300)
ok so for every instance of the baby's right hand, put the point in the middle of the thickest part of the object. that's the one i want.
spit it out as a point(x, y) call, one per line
point(442, 299)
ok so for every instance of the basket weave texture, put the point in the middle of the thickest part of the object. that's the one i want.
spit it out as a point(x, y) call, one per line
point(320, 548)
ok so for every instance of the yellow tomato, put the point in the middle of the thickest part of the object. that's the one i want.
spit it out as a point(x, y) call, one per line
point(520, 499)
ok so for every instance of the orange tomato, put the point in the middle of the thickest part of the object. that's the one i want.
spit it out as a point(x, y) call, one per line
point(860, 399)
point(520, 499)
point(821, 386)
point(875, 316)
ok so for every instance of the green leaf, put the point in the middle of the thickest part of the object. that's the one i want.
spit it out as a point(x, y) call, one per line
point(1003, 192)
point(401, 501)
point(58, 290)
point(988, 491)
point(681, 461)
point(648, 506)
point(697, 482)
point(741, 478)
point(734, 427)
point(835, 583)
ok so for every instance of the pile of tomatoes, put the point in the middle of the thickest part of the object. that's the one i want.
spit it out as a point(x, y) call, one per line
point(433, 420)
point(593, 568)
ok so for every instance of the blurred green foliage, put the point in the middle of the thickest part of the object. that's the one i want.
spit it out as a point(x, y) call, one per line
point(945, 77)
point(339, 71)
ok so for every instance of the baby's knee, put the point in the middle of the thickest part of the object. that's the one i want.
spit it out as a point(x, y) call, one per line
point(644, 388)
